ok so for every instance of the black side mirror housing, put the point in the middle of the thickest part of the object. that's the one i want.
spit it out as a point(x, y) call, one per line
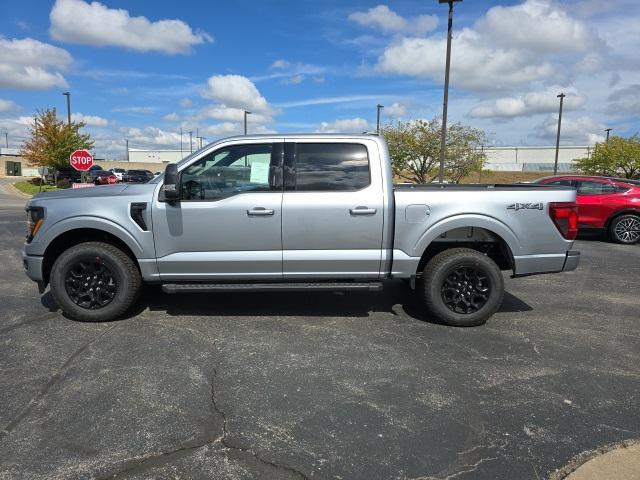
point(171, 187)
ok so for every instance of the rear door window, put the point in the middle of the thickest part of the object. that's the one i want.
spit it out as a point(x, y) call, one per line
point(329, 167)
point(591, 187)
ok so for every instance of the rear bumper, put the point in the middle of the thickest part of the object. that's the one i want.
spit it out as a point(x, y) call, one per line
point(571, 261)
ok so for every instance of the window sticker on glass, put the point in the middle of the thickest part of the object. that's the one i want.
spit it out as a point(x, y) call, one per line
point(259, 172)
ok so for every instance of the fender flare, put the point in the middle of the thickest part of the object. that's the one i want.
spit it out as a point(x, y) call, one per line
point(491, 224)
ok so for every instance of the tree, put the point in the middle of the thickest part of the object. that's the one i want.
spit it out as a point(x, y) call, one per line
point(414, 148)
point(52, 141)
point(617, 157)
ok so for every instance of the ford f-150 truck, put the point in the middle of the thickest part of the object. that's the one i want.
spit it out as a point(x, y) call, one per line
point(295, 212)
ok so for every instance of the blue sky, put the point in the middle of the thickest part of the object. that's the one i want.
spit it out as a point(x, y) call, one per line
point(143, 70)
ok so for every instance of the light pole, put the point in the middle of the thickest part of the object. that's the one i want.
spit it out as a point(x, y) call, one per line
point(245, 120)
point(68, 95)
point(126, 140)
point(607, 130)
point(191, 141)
point(181, 143)
point(443, 140)
point(555, 164)
point(378, 108)
point(6, 139)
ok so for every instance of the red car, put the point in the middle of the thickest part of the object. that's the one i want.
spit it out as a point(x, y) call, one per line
point(102, 177)
point(607, 204)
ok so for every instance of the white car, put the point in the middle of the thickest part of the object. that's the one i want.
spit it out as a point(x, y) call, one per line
point(118, 172)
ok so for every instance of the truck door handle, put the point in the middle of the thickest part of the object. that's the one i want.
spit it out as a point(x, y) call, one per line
point(362, 211)
point(260, 212)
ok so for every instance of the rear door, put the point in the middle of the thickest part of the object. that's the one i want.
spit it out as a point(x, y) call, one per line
point(332, 210)
point(595, 202)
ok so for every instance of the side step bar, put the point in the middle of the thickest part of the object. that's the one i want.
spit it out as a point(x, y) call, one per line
point(269, 287)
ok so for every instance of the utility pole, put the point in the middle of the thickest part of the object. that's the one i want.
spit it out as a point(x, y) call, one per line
point(6, 139)
point(245, 120)
point(68, 95)
point(378, 108)
point(191, 142)
point(607, 130)
point(127, 142)
point(443, 140)
point(555, 165)
point(181, 143)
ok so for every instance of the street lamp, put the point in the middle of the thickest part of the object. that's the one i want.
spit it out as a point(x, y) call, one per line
point(68, 95)
point(607, 130)
point(246, 112)
point(378, 108)
point(446, 87)
point(555, 164)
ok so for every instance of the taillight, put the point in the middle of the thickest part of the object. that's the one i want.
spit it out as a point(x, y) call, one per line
point(565, 218)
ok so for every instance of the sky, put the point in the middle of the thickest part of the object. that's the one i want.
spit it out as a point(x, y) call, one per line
point(143, 70)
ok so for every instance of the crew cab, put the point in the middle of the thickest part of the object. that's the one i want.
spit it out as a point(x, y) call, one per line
point(295, 212)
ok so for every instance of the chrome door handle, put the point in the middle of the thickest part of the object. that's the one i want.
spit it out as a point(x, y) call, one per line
point(260, 212)
point(362, 211)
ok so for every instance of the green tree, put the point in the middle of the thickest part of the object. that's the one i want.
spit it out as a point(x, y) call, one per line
point(617, 157)
point(414, 148)
point(52, 141)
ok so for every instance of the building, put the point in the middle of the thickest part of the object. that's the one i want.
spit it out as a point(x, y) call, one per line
point(156, 156)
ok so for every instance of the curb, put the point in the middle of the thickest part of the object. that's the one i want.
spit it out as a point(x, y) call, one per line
point(13, 189)
point(583, 458)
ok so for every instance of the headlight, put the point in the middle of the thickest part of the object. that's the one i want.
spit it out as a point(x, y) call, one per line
point(35, 217)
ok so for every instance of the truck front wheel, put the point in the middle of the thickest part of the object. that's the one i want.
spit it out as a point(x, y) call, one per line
point(461, 287)
point(95, 282)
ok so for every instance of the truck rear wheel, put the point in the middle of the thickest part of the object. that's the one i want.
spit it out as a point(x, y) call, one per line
point(461, 287)
point(95, 282)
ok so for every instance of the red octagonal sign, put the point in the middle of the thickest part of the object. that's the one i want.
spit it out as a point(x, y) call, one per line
point(81, 160)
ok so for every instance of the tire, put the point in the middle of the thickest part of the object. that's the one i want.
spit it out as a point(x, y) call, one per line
point(449, 270)
point(625, 229)
point(83, 270)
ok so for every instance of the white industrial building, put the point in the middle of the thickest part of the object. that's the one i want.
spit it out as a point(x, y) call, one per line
point(156, 156)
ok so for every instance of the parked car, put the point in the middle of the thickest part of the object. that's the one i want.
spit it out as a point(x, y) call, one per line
point(95, 167)
point(102, 177)
point(310, 212)
point(605, 204)
point(62, 173)
point(118, 172)
point(137, 176)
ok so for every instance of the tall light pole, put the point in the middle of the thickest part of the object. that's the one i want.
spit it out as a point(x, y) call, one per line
point(6, 139)
point(181, 143)
point(126, 140)
point(607, 130)
point(245, 120)
point(68, 95)
point(555, 164)
point(443, 140)
point(378, 108)
point(191, 141)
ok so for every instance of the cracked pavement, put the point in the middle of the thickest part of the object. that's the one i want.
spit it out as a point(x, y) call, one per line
point(319, 385)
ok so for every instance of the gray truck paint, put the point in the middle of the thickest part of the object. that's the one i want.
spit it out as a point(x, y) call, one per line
point(373, 233)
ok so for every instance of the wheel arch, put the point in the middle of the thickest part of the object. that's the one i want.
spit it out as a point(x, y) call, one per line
point(624, 211)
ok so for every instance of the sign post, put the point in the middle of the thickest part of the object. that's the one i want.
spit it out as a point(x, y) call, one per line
point(82, 161)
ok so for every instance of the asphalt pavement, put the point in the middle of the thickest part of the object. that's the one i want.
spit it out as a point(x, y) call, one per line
point(318, 385)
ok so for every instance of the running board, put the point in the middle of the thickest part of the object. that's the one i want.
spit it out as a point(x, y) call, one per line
point(269, 287)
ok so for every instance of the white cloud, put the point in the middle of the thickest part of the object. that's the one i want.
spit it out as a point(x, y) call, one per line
point(90, 120)
point(347, 125)
point(17, 129)
point(294, 80)
point(625, 101)
point(395, 110)
point(221, 112)
point(385, 19)
point(279, 64)
point(8, 105)
point(531, 103)
point(185, 102)
point(236, 91)
point(32, 65)
point(576, 131)
point(509, 46)
point(76, 21)
point(171, 117)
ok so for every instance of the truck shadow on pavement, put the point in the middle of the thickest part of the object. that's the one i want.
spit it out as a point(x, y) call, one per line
point(396, 299)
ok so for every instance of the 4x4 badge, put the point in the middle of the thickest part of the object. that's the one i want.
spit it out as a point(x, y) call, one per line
point(526, 206)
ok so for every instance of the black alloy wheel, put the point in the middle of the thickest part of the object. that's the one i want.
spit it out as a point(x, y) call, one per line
point(90, 284)
point(466, 289)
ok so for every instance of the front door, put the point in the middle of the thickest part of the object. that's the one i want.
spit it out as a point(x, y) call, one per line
point(227, 224)
point(594, 202)
point(332, 211)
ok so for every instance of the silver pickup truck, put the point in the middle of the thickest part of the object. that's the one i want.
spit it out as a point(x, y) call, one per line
point(295, 212)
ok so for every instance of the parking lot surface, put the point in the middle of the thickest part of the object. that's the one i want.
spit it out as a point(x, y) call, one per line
point(319, 385)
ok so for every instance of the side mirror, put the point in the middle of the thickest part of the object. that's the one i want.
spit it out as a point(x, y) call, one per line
point(171, 187)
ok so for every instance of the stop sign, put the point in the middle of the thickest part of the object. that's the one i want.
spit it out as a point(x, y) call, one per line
point(81, 160)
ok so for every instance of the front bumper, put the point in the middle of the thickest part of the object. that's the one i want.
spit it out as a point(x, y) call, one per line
point(571, 261)
point(33, 267)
